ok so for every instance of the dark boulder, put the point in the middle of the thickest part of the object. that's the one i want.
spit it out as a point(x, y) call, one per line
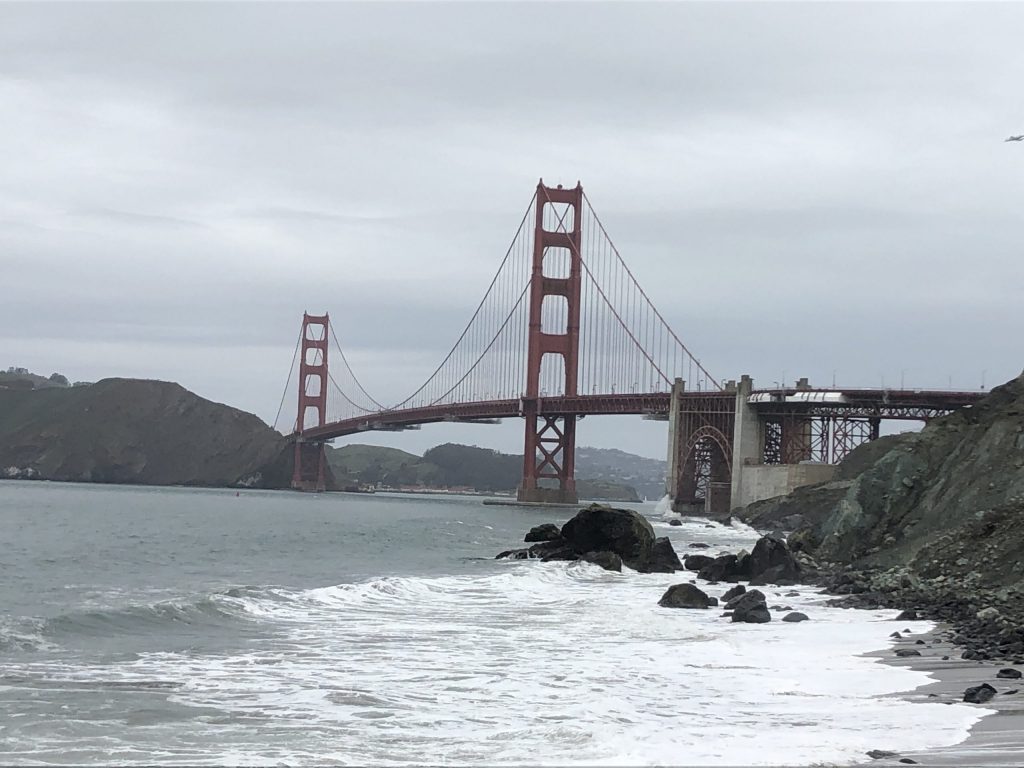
point(699, 545)
point(908, 615)
point(675, 521)
point(750, 607)
point(712, 601)
point(743, 565)
point(545, 532)
point(907, 652)
point(746, 598)
point(736, 591)
point(513, 554)
point(979, 694)
point(684, 596)
point(757, 615)
point(778, 575)
point(878, 754)
point(662, 558)
point(1009, 673)
point(796, 616)
point(607, 560)
point(555, 549)
point(600, 528)
point(696, 562)
point(772, 560)
point(722, 568)
point(907, 761)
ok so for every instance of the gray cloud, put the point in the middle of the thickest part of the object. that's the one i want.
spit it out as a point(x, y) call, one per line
point(801, 188)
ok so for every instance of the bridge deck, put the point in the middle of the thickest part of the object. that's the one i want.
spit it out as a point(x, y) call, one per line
point(854, 403)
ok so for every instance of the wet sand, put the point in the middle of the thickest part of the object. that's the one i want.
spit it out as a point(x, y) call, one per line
point(997, 740)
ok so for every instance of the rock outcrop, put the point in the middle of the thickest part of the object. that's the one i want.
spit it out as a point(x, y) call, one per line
point(545, 532)
point(684, 596)
point(771, 562)
point(931, 522)
point(607, 560)
point(750, 608)
point(923, 485)
point(602, 528)
point(606, 530)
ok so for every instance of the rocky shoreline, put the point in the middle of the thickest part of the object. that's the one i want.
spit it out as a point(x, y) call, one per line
point(613, 538)
point(975, 649)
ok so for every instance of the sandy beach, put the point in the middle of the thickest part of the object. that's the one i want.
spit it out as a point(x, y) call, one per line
point(997, 740)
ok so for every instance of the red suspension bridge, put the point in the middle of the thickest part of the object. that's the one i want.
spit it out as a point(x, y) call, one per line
point(564, 331)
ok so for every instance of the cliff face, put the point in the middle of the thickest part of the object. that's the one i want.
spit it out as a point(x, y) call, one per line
point(136, 431)
point(931, 482)
point(906, 499)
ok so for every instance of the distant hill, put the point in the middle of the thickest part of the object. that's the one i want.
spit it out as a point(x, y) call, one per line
point(135, 431)
point(461, 466)
point(371, 465)
point(22, 378)
point(159, 433)
point(613, 465)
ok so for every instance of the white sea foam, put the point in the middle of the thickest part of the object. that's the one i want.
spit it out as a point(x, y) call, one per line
point(664, 508)
point(552, 663)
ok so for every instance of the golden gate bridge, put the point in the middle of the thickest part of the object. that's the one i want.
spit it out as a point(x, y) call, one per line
point(563, 331)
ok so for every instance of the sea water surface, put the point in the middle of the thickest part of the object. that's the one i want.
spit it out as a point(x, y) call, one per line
point(183, 626)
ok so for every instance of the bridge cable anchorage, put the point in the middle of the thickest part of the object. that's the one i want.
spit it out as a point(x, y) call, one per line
point(287, 384)
point(604, 232)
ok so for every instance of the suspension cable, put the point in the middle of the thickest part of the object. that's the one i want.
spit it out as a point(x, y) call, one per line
point(644, 294)
point(291, 370)
point(351, 373)
point(497, 274)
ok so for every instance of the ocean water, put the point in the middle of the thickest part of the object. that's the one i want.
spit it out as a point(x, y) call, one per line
point(181, 626)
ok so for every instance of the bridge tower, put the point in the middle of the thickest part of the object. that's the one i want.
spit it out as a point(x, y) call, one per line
point(309, 473)
point(549, 456)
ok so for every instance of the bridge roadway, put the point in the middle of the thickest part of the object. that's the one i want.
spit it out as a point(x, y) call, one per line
point(901, 404)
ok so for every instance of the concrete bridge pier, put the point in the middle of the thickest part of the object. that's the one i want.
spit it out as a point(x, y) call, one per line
point(747, 440)
point(773, 455)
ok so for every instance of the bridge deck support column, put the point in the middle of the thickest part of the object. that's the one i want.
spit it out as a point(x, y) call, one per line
point(549, 454)
point(747, 439)
point(673, 457)
point(309, 473)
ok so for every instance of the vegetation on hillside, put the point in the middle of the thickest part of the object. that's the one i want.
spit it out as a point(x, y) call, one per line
point(450, 466)
point(133, 431)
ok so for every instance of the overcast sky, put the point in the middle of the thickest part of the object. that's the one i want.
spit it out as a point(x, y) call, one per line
point(802, 189)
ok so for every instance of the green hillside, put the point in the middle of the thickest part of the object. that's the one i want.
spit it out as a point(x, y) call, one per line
point(451, 466)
